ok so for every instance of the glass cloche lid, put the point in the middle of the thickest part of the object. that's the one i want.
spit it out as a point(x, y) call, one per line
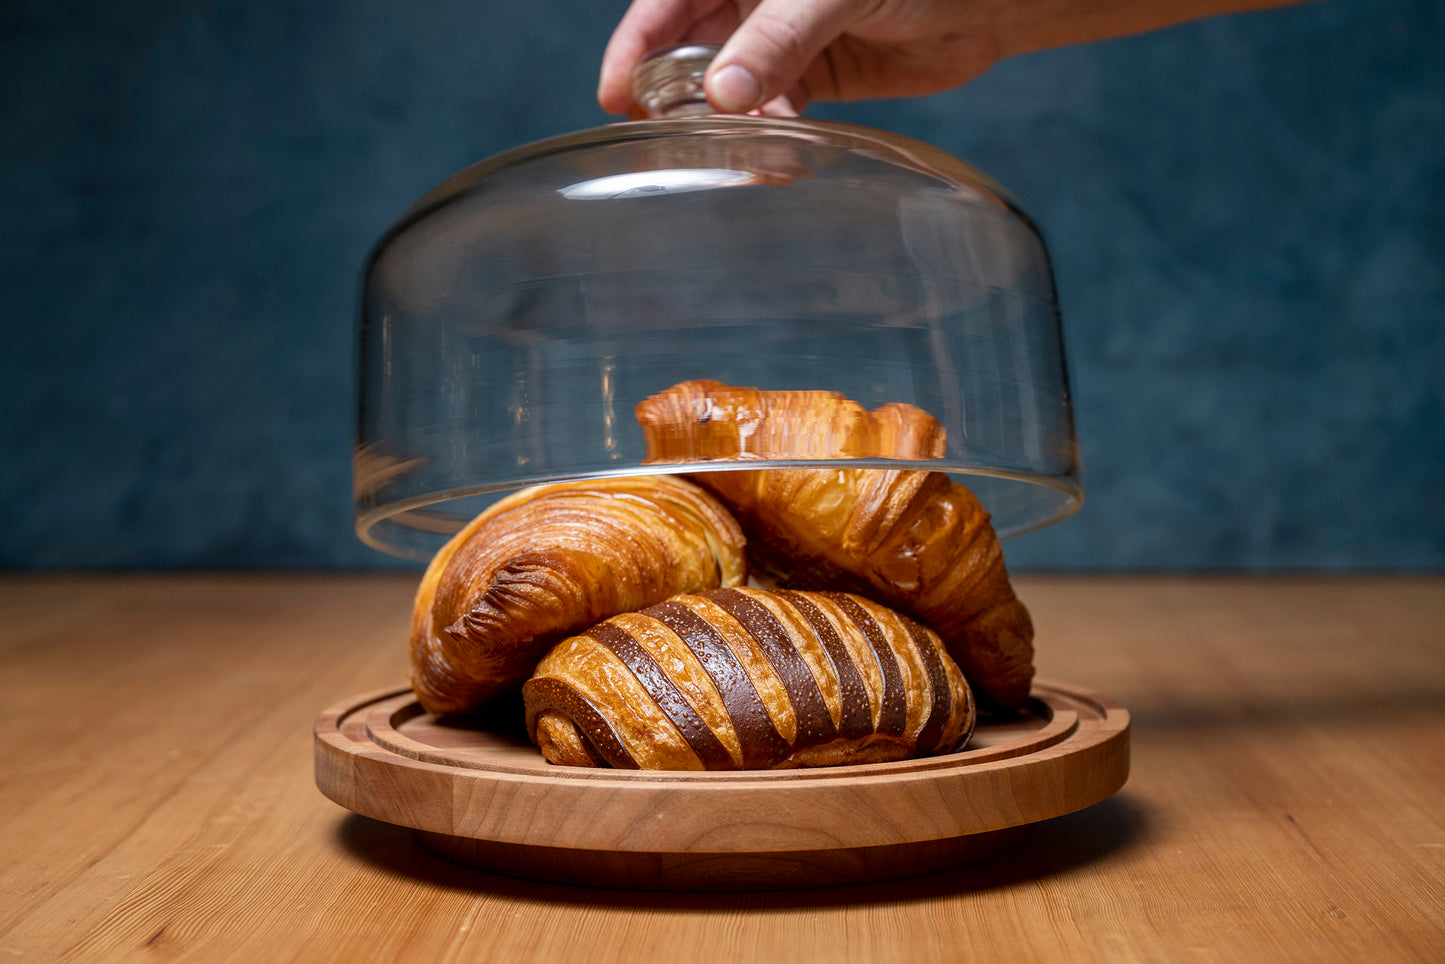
point(516, 317)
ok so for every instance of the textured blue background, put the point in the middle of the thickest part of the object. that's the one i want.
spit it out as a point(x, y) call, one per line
point(1247, 218)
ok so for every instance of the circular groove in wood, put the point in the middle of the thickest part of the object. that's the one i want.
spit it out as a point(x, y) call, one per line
point(842, 811)
point(383, 721)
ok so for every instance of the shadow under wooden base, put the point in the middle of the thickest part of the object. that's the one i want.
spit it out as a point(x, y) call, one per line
point(723, 872)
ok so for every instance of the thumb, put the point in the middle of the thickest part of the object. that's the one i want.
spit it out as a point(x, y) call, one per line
point(773, 47)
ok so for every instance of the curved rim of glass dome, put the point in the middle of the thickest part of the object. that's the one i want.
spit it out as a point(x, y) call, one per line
point(467, 179)
point(366, 522)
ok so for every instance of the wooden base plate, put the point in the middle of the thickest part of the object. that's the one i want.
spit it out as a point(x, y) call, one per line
point(479, 793)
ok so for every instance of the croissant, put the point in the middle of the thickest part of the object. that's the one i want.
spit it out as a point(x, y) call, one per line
point(748, 679)
point(913, 540)
point(550, 561)
point(705, 420)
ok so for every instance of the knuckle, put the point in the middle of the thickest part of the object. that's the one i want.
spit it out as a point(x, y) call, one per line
point(787, 40)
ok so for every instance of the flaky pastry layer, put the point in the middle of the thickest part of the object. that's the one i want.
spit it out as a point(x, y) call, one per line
point(550, 561)
point(748, 679)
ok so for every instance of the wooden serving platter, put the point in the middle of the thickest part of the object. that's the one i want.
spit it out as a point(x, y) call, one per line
point(482, 795)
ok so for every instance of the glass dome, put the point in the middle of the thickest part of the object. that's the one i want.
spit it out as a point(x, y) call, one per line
point(514, 318)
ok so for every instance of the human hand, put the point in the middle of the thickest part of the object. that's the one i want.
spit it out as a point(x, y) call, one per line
point(805, 50)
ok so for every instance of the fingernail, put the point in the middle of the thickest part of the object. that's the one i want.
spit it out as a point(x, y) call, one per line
point(734, 88)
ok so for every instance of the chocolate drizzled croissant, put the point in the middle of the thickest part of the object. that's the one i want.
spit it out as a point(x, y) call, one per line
point(916, 541)
point(550, 561)
point(748, 679)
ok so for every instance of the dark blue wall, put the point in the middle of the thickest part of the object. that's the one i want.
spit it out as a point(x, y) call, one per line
point(1247, 218)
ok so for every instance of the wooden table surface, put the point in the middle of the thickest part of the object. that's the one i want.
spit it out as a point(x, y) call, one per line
point(1287, 798)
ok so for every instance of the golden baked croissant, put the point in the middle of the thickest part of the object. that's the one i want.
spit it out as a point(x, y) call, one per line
point(705, 420)
point(913, 540)
point(550, 561)
point(748, 679)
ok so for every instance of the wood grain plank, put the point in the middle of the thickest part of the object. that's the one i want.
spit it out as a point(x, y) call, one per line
point(1288, 763)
